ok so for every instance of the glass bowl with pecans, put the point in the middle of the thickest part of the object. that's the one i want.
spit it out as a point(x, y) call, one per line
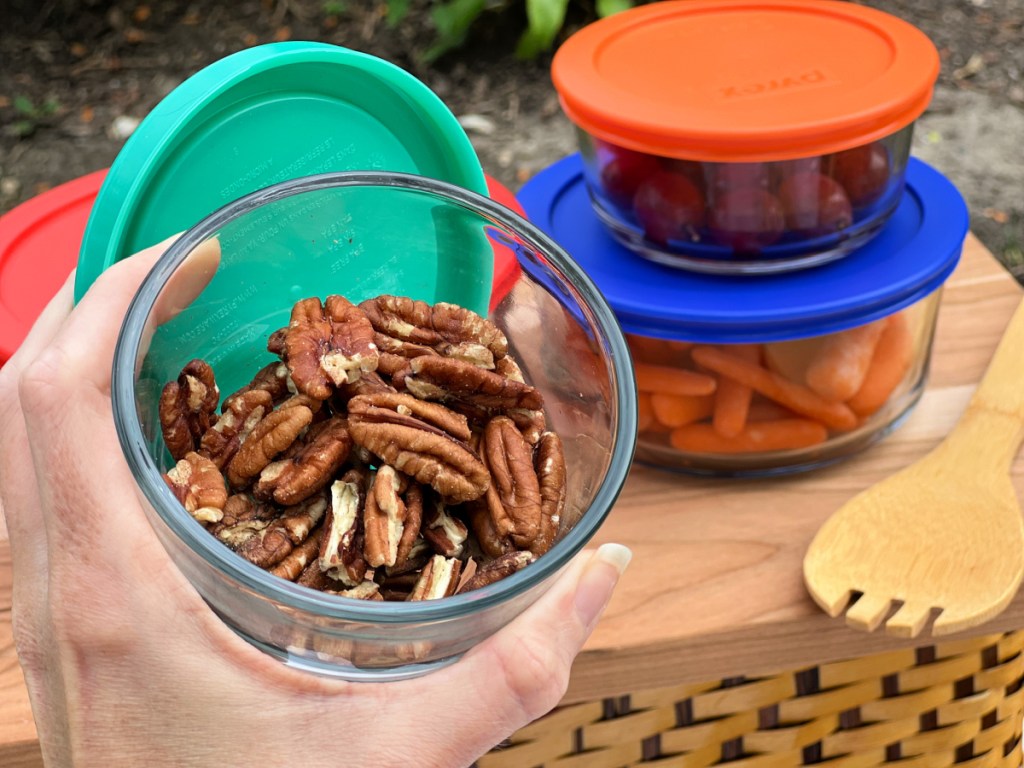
point(364, 461)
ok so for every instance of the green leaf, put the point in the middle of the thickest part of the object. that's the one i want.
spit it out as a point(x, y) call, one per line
point(454, 18)
point(23, 128)
point(610, 7)
point(24, 106)
point(452, 21)
point(544, 19)
point(397, 10)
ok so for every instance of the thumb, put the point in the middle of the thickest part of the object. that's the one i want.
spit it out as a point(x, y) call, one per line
point(522, 672)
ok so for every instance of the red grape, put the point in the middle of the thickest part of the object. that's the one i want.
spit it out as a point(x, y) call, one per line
point(691, 169)
point(623, 172)
point(746, 220)
point(814, 205)
point(783, 169)
point(863, 171)
point(729, 176)
point(668, 207)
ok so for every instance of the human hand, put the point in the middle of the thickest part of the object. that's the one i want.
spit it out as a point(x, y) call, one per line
point(124, 662)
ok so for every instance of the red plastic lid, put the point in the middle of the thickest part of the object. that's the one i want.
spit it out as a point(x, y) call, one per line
point(39, 244)
point(40, 240)
point(734, 80)
point(506, 265)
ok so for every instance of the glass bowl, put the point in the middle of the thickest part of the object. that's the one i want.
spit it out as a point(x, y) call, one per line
point(746, 217)
point(793, 348)
point(745, 136)
point(361, 234)
point(781, 406)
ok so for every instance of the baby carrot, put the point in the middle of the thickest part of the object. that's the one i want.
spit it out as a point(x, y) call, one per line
point(679, 346)
point(672, 381)
point(838, 369)
point(794, 396)
point(778, 435)
point(648, 349)
point(677, 410)
point(889, 365)
point(732, 399)
point(763, 409)
point(790, 359)
point(645, 413)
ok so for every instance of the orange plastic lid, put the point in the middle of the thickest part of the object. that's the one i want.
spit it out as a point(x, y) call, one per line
point(734, 80)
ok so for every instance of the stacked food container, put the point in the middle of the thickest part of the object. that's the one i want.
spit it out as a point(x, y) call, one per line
point(745, 199)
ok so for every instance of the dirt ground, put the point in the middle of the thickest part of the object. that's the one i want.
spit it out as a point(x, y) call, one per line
point(77, 75)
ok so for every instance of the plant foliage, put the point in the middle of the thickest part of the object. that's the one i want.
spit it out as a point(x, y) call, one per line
point(454, 19)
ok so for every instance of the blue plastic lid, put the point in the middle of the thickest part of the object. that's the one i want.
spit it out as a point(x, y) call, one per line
point(265, 115)
point(911, 257)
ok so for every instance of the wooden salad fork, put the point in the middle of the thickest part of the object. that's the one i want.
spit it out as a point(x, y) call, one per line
point(943, 536)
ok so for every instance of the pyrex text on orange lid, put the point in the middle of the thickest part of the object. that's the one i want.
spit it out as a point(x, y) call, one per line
point(734, 80)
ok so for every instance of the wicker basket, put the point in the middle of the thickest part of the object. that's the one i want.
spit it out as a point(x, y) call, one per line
point(952, 703)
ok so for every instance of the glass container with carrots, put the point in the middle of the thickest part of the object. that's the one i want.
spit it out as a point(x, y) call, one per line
point(766, 374)
point(743, 407)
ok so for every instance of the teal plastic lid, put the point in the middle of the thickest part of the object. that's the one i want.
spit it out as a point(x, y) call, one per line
point(265, 115)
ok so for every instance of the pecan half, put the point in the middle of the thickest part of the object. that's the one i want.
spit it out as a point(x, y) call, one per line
point(412, 523)
point(298, 399)
point(400, 348)
point(491, 542)
point(198, 484)
point(299, 520)
point(383, 518)
point(272, 378)
point(445, 533)
point(549, 461)
point(418, 448)
point(266, 547)
point(342, 543)
point(240, 508)
point(274, 434)
point(442, 378)
point(314, 578)
point(327, 344)
point(291, 567)
point(187, 406)
point(310, 468)
point(243, 519)
point(352, 348)
point(445, 420)
point(438, 579)
point(276, 541)
point(370, 383)
point(418, 556)
point(470, 337)
point(532, 424)
point(240, 415)
point(394, 366)
point(396, 586)
point(402, 318)
point(509, 368)
point(275, 342)
point(497, 569)
point(514, 498)
point(365, 590)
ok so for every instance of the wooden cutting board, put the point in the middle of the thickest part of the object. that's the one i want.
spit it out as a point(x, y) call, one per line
point(715, 587)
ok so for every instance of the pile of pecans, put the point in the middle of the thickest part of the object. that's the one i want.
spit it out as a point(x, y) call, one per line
point(393, 451)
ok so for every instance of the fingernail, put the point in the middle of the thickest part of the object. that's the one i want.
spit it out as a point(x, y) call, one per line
point(598, 582)
point(616, 555)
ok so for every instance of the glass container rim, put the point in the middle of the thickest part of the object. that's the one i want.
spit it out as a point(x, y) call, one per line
point(249, 576)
